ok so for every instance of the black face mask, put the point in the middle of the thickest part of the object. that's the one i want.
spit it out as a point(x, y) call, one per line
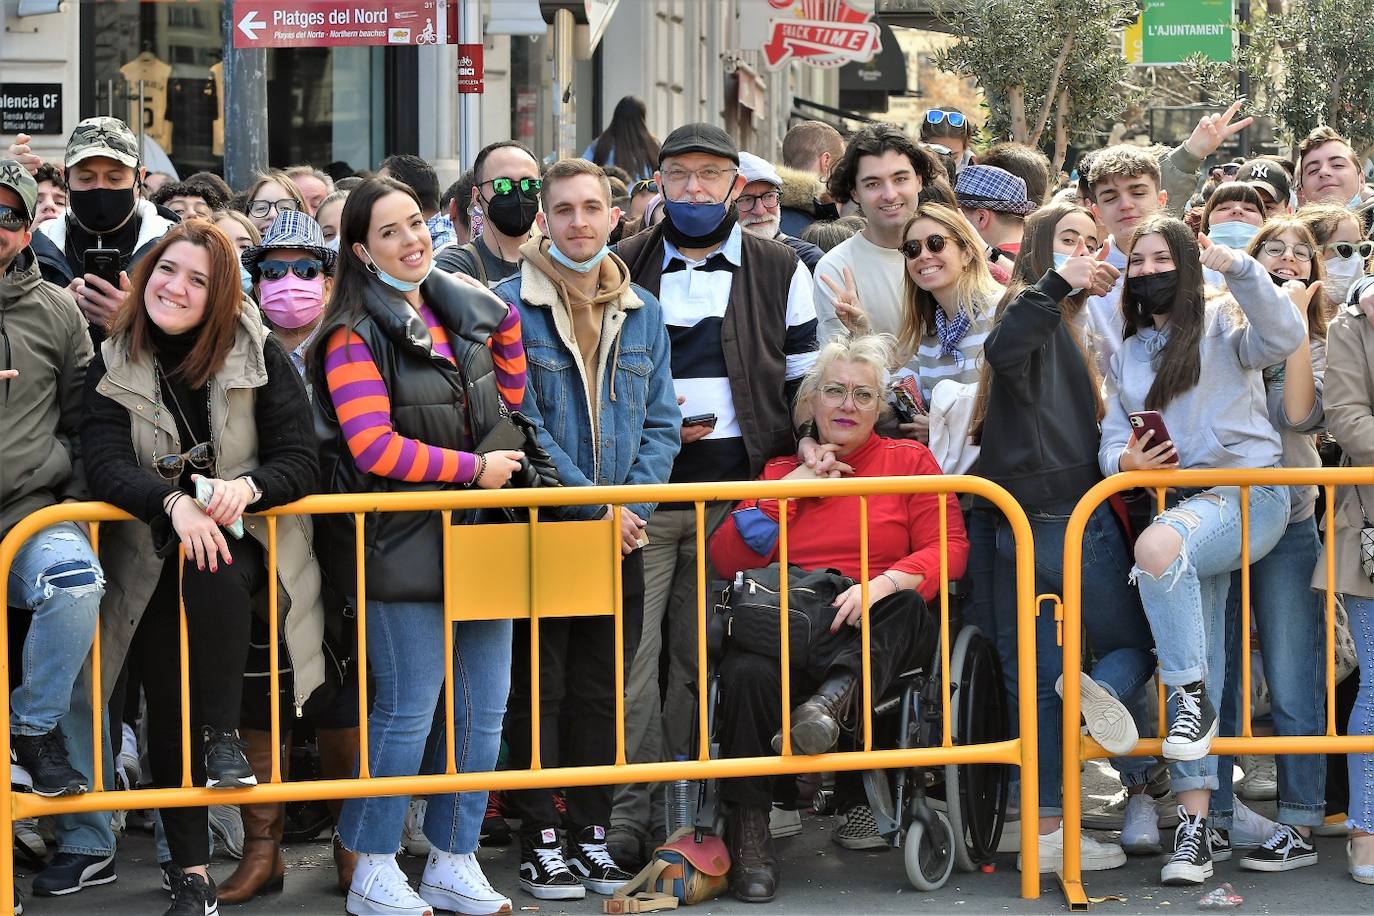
point(1280, 281)
point(102, 210)
point(1154, 293)
point(512, 214)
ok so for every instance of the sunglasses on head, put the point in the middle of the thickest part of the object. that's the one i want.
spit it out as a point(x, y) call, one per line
point(509, 185)
point(171, 466)
point(13, 219)
point(305, 268)
point(642, 185)
point(1349, 249)
point(911, 248)
point(952, 118)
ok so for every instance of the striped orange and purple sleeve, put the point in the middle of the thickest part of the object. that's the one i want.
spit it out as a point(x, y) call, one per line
point(508, 357)
point(363, 407)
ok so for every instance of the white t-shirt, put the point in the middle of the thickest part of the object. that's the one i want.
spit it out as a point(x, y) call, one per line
point(878, 276)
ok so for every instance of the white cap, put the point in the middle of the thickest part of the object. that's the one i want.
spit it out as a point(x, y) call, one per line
point(756, 168)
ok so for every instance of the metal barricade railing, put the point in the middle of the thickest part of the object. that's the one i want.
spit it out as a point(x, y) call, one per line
point(495, 571)
point(1160, 482)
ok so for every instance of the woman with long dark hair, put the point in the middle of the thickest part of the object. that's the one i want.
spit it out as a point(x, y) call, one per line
point(413, 369)
point(626, 142)
point(1198, 363)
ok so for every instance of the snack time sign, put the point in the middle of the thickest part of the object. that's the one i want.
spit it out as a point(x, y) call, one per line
point(1170, 30)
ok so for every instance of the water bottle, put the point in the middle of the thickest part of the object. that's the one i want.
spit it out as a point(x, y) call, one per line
point(677, 803)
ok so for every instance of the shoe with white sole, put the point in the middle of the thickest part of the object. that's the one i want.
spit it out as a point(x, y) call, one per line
point(456, 882)
point(1191, 862)
point(592, 865)
point(1261, 778)
point(1192, 723)
point(28, 842)
point(1285, 850)
point(1140, 829)
point(413, 839)
point(1219, 841)
point(544, 873)
point(226, 826)
point(1094, 855)
point(385, 891)
point(859, 830)
point(1108, 721)
point(784, 822)
point(1249, 828)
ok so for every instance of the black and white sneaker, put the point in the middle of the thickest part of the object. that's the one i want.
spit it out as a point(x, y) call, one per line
point(1192, 723)
point(69, 872)
point(592, 864)
point(171, 877)
point(1285, 850)
point(1220, 842)
point(193, 895)
point(1191, 862)
point(543, 872)
point(226, 767)
point(44, 759)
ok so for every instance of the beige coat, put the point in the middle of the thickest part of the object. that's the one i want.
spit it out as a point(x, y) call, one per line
point(1349, 398)
point(131, 564)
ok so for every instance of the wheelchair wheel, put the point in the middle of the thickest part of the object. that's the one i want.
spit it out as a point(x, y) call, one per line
point(976, 794)
point(929, 854)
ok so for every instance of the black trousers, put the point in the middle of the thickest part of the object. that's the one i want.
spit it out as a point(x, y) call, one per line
point(576, 703)
point(219, 621)
point(902, 634)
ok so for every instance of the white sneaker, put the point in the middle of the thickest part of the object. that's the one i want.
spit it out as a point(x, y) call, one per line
point(384, 891)
point(1140, 830)
point(29, 840)
point(413, 839)
point(1261, 779)
point(1094, 855)
point(455, 882)
point(783, 823)
point(1108, 721)
point(1250, 828)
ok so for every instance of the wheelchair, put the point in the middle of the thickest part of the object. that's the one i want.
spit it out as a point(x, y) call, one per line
point(941, 817)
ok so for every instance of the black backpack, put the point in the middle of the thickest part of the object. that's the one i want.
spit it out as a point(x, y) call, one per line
point(748, 611)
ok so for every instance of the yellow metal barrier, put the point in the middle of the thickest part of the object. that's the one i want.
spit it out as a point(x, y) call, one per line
point(507, 571)
point(1077, 749)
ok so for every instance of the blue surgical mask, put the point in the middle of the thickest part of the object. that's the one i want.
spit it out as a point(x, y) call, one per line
point(581, 267)
point(332, 244)
point(396, 283)
point(1235, 234)
point(245, 279)
point(1060, 259)
point(695, 220)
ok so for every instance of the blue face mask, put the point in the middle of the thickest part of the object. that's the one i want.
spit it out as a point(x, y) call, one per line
point(1060, 259)
point(694, 220)
point(332, 244)
point(1235, 234)
point(581, 267)
point(245, 279)
point(396, 283)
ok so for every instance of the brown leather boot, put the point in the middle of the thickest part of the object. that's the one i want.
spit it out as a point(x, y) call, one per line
point(338, 755)
point(261, 869)
point(753, 866)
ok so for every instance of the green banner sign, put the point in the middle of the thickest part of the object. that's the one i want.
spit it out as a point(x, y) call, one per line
point(1170, 30)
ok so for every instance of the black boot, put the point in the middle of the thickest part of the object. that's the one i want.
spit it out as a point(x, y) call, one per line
point(753, 868)
point(816, 722)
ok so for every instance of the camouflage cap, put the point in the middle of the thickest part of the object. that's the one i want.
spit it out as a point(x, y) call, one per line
point(17, 178)
point(108, 137)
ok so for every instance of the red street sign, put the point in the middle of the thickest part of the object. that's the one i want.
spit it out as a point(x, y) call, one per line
point(470, 70)
point(325, 23)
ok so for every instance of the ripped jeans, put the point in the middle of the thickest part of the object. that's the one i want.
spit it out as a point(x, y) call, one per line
point(57, 576)
point(1186, 606)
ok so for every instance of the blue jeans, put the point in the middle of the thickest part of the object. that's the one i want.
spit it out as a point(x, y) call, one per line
point(1186, 605)
point(1361, 766)
point(1290, 619)
point(405, 655)
point(1112, 616)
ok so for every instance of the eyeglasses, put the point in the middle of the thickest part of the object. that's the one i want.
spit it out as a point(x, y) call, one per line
point(260, 208)
point(642, 185)
point(746, 202)
point(171, 466)
point(13, 219)
point(710, 175)
point(502, 186)
point(952, 118)
point(835, 395)
point(305, 268)
point(1349, 249)
point(911, 248)
point(1275, 248)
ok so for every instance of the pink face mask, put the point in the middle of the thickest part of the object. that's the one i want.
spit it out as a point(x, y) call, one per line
point(291, 302)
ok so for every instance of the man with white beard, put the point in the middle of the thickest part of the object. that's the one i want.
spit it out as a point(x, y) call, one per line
point(759, 213)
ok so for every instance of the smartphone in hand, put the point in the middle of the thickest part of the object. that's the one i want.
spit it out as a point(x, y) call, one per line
point(1152, 421)
point(702, 419)
point(103, 263)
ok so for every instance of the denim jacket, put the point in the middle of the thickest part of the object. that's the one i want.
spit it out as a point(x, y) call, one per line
point(639, 418)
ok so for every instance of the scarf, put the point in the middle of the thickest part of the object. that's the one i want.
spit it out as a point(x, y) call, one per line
point(951, 332)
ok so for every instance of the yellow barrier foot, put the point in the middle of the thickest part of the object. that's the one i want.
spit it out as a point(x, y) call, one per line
point(1074, 894)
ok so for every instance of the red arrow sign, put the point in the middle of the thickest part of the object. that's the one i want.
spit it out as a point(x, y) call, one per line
point(326, 23)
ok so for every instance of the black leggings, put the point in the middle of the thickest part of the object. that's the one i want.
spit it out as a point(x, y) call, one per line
point(219, 619)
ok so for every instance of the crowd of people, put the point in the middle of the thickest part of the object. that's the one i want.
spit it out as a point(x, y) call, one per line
point(654, 312)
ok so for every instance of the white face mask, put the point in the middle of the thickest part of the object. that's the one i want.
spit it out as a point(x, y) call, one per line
point(1341, 273)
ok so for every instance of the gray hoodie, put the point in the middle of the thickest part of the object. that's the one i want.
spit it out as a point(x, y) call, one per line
point(1223, 420)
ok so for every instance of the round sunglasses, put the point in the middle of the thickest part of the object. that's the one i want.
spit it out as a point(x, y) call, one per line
point(305, 268)
point(912, 248)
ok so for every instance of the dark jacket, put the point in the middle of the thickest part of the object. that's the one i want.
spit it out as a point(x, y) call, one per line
point(431, 401)
point(798, 201)
point(1040, 435)
point(751, 335)
point(809, 254)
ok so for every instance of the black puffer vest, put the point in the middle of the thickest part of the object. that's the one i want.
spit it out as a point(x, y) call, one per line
point(432, 402)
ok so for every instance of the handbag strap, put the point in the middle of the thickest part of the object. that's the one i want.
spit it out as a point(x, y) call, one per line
point(1345, 462)
point(629, 898)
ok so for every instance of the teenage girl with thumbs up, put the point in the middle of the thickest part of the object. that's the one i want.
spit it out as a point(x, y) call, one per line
point(1038, 409)
point(1198, 361)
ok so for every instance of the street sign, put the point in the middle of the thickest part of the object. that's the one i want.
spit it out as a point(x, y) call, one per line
point(1170, 30)
point(821, 33)
point(331, 23)
point(30, 108)
point(470, 80)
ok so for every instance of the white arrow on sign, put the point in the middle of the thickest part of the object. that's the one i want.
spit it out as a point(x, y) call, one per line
point(250, 24)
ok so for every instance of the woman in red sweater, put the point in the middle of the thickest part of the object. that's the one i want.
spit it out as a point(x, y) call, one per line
point(844, 393)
